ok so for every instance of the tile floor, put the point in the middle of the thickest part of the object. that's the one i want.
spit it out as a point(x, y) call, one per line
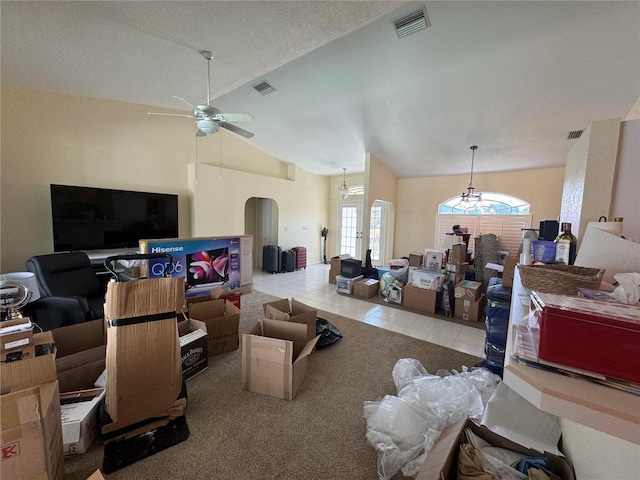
point(311, 286)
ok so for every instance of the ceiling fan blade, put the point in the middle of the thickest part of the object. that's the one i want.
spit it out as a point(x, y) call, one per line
point(234, 129)
point(171, 114)
point(186, 102)
point(235, 117)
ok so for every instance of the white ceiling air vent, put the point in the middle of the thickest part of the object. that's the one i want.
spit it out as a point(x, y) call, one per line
point(411, 23)
point(263, 88)
point(575, 134)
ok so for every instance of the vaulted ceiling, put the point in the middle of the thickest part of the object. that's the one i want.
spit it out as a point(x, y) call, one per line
point(513, 78)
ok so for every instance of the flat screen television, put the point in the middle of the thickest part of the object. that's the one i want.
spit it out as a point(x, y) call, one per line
point(88, 218)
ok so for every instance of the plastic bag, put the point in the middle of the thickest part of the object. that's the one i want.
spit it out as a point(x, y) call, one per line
point(628, 289)
point(329, 333)
point(391, 288)
point(403, 428)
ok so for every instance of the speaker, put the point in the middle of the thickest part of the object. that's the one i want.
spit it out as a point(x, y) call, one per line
point(549, 230)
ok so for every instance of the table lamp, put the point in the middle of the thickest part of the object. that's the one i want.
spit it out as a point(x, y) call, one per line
point(16, 290)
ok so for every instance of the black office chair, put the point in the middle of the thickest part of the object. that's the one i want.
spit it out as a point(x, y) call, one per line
point(70, 290)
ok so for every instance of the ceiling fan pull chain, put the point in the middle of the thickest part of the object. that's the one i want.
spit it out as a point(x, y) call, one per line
point(196, 137)
point(220, 156)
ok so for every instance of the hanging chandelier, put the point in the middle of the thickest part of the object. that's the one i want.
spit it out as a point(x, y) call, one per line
point(469, 196)
point(344, 189)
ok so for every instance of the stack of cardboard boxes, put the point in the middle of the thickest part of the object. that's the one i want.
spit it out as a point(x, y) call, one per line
point(30, 422)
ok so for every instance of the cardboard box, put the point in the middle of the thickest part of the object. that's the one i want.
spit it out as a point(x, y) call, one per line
point(31, 371)
point(79, 411)
point(345, 285)
point(434, 259)
point(222, 320)
point(468, 289)
point(470, 310)
point(442, 461)
point(421, 299)
point(457, 253)
point(366, 288)
point(416, 259)
point(31, 434)
point(428, 279)
point(457, 267)
point(97, 475)
point(143, 352)
point(16, 340)
point(336, 262)
point(508, 271)
point(193, 347)
point(274, 358)
point(292, 311)
point(79, 337)
point(333, 273)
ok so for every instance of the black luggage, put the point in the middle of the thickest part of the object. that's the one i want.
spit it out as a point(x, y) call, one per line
point(288, 261)
point(271, 258)
point(301, 257)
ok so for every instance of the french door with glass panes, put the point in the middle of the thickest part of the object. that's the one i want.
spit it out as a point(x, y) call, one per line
point(350, 229)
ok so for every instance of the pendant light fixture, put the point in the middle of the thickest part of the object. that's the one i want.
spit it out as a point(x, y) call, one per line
point(469, 196)
point(344, 189)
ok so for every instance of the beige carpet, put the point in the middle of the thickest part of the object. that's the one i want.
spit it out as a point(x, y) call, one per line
point(319, 435)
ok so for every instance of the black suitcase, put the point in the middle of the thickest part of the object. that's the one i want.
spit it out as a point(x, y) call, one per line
point(271, 258)
point(288, 261)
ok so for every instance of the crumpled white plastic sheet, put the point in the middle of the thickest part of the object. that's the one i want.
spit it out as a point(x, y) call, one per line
point(628, 289)
point(403, 428)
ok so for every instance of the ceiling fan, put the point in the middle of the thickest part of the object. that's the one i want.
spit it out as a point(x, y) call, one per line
point(209, 119)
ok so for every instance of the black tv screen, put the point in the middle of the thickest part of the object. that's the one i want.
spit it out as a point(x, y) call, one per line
point(87, 218)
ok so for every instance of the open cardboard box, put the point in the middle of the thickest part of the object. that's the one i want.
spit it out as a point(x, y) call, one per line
point(193, 347)
point(31, 434)
point(274, 358)
point(292, 311)
point(442, 461)
point(222, 320)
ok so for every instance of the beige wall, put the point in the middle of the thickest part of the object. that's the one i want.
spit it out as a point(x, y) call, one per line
point(219, 199)
point(381, 185)
point(52, 138)
point(418, 200)
point(589, 175)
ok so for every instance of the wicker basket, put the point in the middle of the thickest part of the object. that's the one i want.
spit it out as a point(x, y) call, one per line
point(559, 278)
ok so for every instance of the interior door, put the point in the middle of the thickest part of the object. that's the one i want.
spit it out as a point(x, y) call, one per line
point(350, 229)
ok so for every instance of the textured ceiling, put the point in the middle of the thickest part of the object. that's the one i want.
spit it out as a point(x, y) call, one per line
point(511, 77)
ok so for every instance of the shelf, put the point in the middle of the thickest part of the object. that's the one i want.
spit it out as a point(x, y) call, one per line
point(605, 409)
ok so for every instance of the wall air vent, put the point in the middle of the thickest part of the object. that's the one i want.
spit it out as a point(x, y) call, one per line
point(263, 88)
point(411, 23)
point(575, 134)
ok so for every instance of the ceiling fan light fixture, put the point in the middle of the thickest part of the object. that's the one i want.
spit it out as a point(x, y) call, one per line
point(344, 189)
point(207, 125)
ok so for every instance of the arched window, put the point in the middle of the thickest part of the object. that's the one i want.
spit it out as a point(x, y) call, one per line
point(503, 215)
point(492, 203)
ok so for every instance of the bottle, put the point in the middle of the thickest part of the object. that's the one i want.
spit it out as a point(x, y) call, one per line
point(565, 245)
